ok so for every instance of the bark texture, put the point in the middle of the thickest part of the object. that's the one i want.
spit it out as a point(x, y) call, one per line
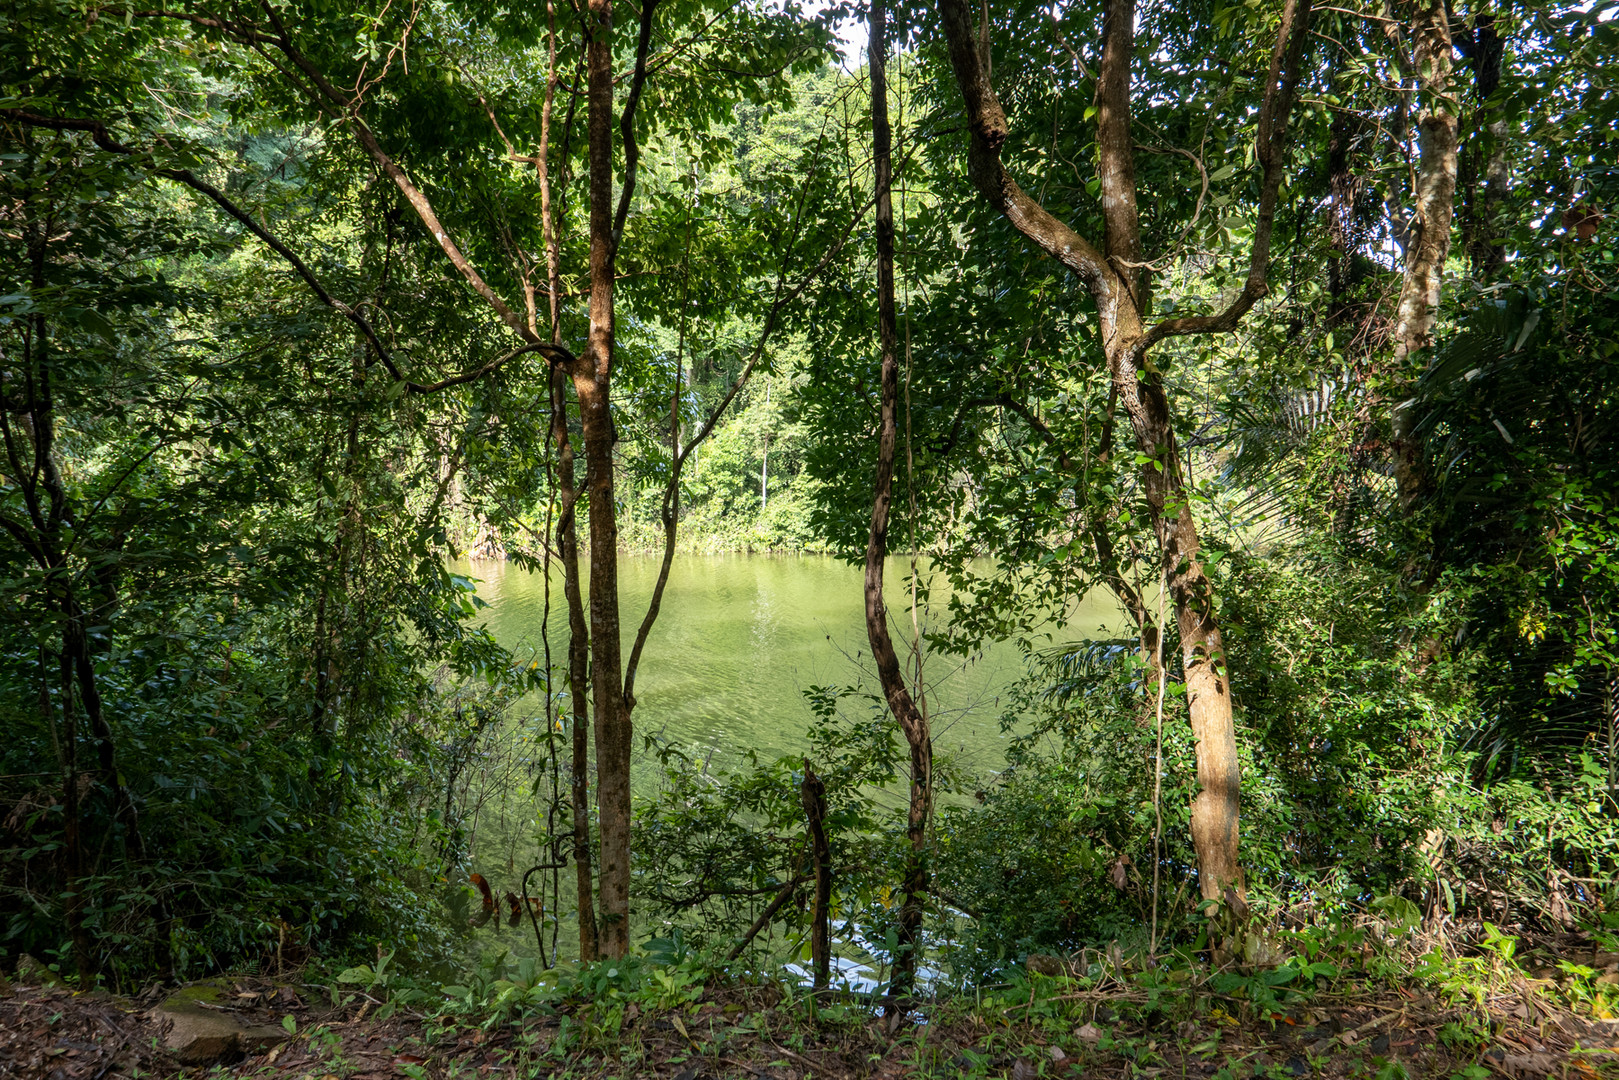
point(912, 721)
point(1484, 171)
point(567, 533)
point(1116, 280)
point(567, 542)
point(1428, 241)
point(591, 382)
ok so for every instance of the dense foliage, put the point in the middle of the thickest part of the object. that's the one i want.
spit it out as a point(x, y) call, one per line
point(254, 398)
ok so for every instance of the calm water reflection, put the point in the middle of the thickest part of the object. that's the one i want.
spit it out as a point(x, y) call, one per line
point(739, 639)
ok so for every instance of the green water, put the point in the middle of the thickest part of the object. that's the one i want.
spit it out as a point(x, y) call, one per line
point(739, 639)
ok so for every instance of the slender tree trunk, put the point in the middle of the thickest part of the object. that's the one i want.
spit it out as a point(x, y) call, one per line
point(913, 723)
point(1481, 204)
point(567, 531)
point(567, 541)
point(1429, 243)
point(813, 793)
point(1121, 293)
point(591, 380)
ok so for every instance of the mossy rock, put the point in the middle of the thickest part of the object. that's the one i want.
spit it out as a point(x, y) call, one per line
point(200, 1035)
point(209, 992)
point(31, 972)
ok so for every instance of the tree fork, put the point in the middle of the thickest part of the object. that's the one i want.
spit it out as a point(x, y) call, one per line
point(1112, 278)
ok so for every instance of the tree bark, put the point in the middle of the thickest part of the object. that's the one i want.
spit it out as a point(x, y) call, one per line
point(1482, 202)
point(1429, 243)
point(567, 531)
point(1121, 295)
point(813, 793)
point(591, 381)
point(912, 721)
point(567, 542)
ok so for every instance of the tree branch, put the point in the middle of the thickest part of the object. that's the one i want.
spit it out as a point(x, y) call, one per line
point(988, 129)
point(766, 915)
point(97, 131)
point(1270, 146)
point(626, 121)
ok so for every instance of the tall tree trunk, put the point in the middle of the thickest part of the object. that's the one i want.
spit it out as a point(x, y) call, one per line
point(1216, 806)
point(567, 542)
point(912, 721)
point(1122, 294)
point(1484, 170)
point(1429, 243)
point(591, 380)
point(567, 530)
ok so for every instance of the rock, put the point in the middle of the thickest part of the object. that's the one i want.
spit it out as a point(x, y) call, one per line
point(31, 972)
point(259, 1039)
point(199, 1035)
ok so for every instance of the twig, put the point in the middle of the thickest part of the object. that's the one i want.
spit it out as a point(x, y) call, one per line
point(795, 1057)
point(1352, 1036)
point(767, 914)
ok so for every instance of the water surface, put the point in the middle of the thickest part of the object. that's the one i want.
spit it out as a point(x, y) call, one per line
point(738, 640)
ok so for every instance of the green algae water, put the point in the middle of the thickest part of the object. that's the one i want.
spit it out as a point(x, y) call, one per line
point(738, 640)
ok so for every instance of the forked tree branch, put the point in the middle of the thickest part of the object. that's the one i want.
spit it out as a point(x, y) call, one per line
point(988, 127)
point(1270, 147)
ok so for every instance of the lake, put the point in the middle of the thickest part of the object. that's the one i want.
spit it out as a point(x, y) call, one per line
point(738, 640)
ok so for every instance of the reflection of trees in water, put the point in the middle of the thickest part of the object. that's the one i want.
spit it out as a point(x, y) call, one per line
point(515, 802)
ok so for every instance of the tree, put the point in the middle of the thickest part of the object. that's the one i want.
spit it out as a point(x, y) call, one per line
point(913, 720)
point(1118, 279)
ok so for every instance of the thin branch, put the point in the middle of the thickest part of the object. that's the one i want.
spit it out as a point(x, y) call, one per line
point(626, 122)
point(782, 298)
point(1270, 142)
point(419, 202)
point(766, 915)
point(98, 133)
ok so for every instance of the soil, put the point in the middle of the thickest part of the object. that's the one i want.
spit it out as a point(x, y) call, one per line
point(52, 1033)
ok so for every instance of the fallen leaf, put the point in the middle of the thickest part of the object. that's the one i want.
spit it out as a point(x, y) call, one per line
point(1089, 1033)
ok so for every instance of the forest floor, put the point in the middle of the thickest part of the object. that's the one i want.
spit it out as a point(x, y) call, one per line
point(762, 1033)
